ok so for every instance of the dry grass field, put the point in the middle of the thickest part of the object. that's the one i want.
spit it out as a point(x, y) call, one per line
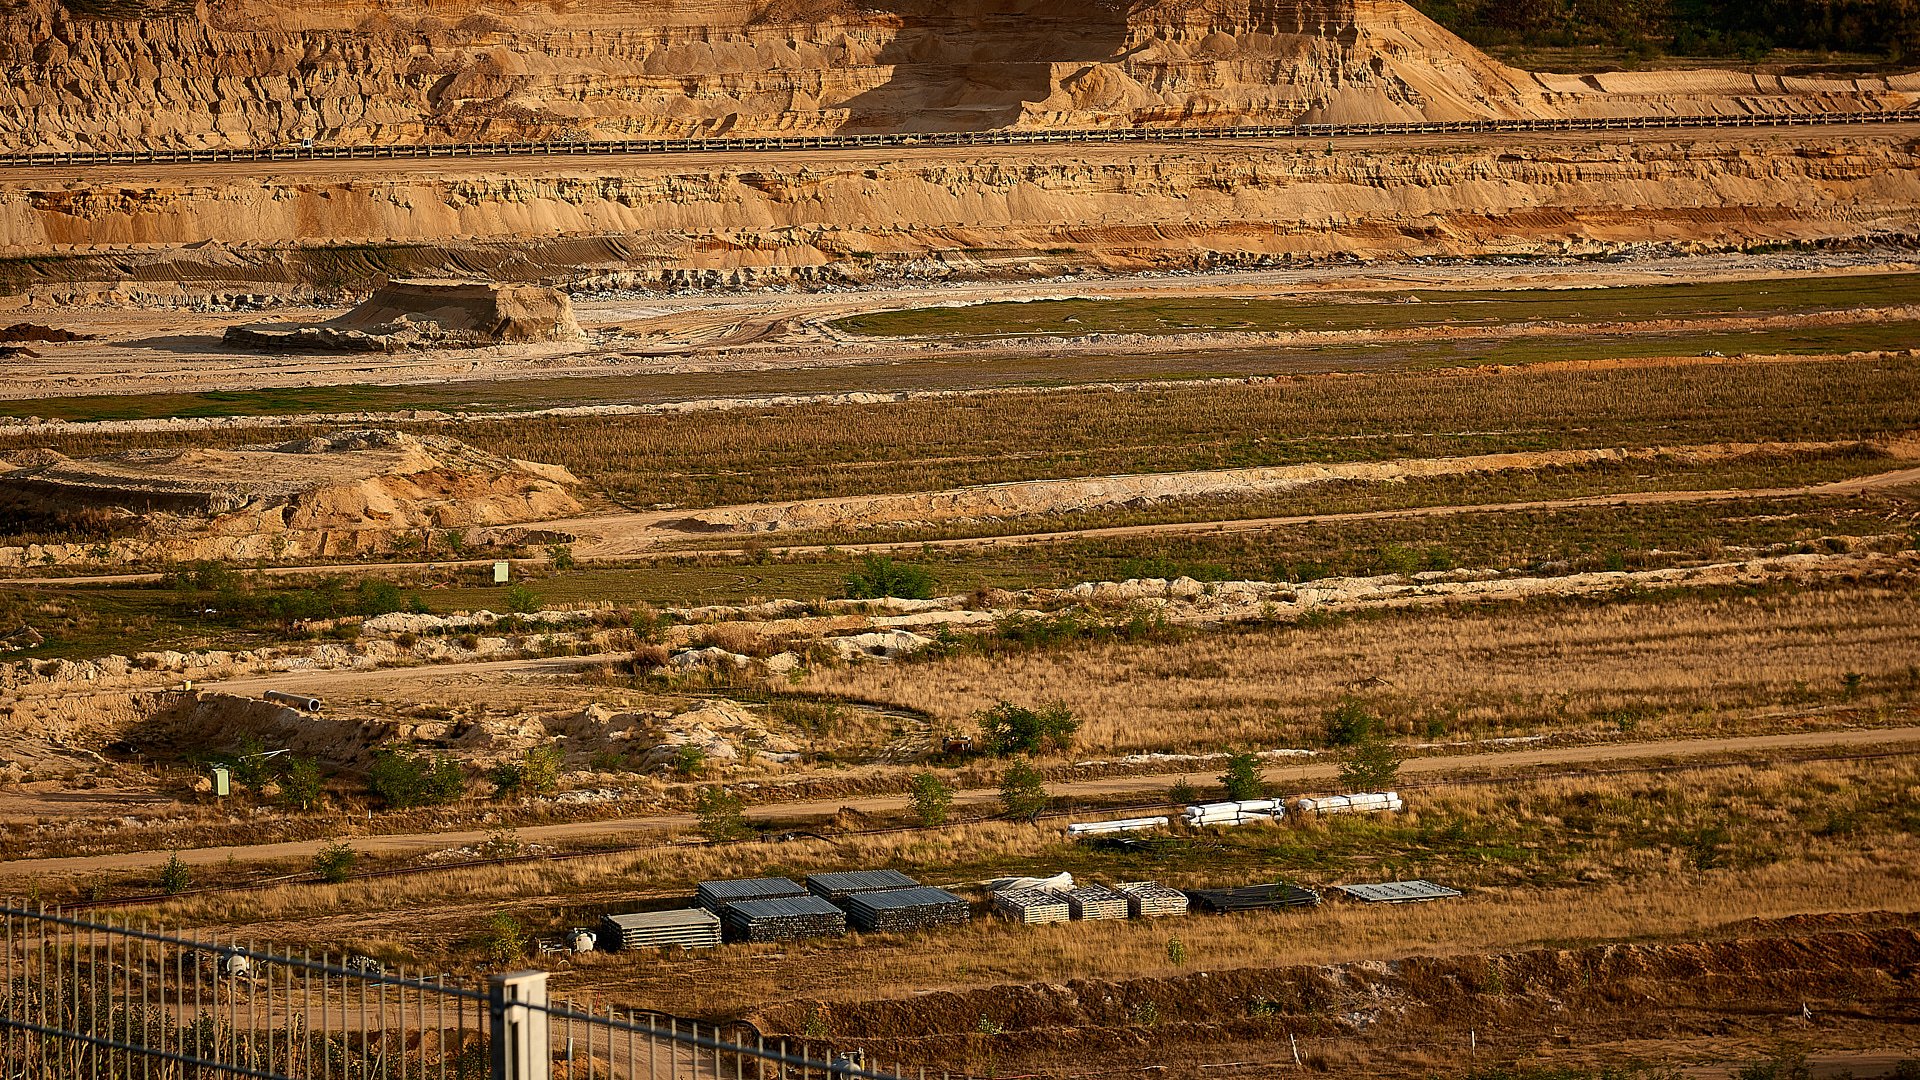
point(1693, 664)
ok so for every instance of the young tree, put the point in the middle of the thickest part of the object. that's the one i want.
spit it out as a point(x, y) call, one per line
point(932, 799)
point(1349, 722)
point(1182, 793)
point(722, 815)
point(1370, 765)
point(1242, 778)
point(1023, 792)
point(404, 780)
point(175, 876)
point(1015, 729)
point(302, 786)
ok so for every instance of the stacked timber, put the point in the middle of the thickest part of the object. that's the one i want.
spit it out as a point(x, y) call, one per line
point(1124, 825)
point(837, 887)
point(1366, 802)
point(784, 918)
point(1150, 899)
point(716, 895)
point(689, 928)
point(1254, 897)
point(1092, 902)
point(918, 908)
point(1031, 906)
point(1245, 812)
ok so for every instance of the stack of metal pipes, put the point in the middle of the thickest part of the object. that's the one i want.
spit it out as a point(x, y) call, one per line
point(1366, 802)
point(1245, 812)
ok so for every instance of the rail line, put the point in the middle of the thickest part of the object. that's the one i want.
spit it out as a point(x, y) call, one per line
point(599, 147)
point(1121, 811)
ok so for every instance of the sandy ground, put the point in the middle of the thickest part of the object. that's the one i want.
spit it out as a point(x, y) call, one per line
point(173, 351)
point(1291, 776)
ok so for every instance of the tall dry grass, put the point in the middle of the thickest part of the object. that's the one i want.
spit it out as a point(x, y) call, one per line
point(1682, 664)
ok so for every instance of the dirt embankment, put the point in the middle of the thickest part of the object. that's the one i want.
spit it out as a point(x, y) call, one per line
point(316, 495)
point(953, 214)
point(272, 72)
point(1392, 1010)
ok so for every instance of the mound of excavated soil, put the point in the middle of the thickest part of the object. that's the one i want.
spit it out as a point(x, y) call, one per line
point(404, 315)
point(354, 480)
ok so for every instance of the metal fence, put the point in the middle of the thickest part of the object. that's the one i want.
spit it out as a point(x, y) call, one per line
point(100, 1001)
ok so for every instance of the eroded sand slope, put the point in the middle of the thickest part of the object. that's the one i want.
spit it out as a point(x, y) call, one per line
point(269, 72)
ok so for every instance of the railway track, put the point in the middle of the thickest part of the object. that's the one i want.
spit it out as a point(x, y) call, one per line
point(789, 143)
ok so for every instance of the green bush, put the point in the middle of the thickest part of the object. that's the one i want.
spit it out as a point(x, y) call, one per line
point(334, 863)
point(1242, 778)
point(1182, 793)
point(932, 799)
point(302, 786)
point(1023, 791)
point(522, 600)
point(1372, 764)
point(175, 875)
point(880, 576)
point(537, 772)
point(402, 780)
point(722, 815)
point(1008, 729)
point(1349, 722)
point(503, 941)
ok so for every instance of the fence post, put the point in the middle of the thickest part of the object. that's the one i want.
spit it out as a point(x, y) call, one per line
point(517, 1003)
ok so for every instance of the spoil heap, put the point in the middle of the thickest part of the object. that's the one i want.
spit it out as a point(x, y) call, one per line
point(351, 481)
point(404, 315)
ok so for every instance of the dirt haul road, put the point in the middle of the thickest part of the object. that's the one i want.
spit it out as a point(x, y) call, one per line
point(1294, 777)
point(618, 537)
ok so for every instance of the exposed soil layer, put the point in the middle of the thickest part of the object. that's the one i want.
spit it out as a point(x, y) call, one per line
point(268, 72)
point(1747, 984)
point(702, 220)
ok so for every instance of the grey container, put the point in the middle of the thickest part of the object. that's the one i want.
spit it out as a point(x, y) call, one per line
point(690, 928)
point(1150, 899)
point(784, 918)
point(1092, 902)
point(716, 895)
point(906, 909)
point(839, 886)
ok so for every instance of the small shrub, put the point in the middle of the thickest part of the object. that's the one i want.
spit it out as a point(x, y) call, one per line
point(648, 659)
point(1182, 793)
point(932, 799)
point(334, 863)
point(1009, 729)
point(722, 815)
point(880, 576)
point(503, 941)
point(1373, 764)
point(522, 600)
point(1023, 791)
point(302, 786)
point(404, 780)
point(689, 760)
point(1242, 778)
point(1349, 722)
point(560, 556)
point(175, 876)
point(1176, 952)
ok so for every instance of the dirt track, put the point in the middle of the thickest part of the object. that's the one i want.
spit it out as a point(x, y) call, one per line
point(1291, 776)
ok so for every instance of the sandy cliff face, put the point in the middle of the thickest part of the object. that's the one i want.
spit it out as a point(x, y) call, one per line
point(116, 73)
point(966, 212)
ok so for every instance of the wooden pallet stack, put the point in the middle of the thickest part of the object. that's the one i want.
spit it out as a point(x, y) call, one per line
point(1032, 906)
point(906, 909)
point(689, 928)
point(1151, 900)
point(716, 895)
point(838, 886)
point(784, 918)
point(1091, 902)
point(1254, 897)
